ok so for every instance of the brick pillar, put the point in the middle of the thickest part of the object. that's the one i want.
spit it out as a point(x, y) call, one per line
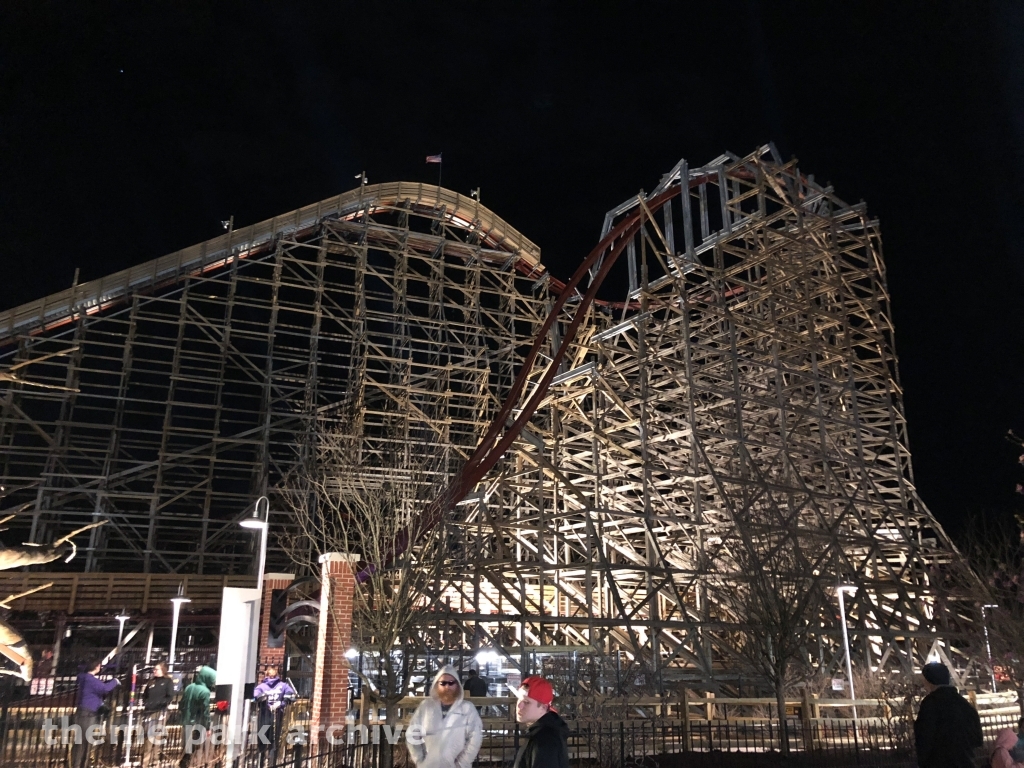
point(330, 679)
point(270, 656)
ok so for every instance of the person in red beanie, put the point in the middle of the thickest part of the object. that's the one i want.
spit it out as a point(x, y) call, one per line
point(547, 735)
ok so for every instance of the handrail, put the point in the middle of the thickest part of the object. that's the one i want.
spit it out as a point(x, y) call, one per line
point(91, 297)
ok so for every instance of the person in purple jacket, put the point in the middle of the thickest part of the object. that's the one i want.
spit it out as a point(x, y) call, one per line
point(88, 701)
point(272, 695)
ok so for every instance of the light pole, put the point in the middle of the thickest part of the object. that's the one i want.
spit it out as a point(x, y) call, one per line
point(122, 617)
point(988, 648)
point(260, 519)
point(842, 590)
point(178, 600)
point(244, 607)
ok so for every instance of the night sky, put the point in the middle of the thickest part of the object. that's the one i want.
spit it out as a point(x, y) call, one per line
point(129, 130)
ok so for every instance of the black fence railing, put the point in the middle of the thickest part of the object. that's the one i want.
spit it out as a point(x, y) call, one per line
point(37, 726)
point(31, 719)
point(35, 735)
point(648, 744)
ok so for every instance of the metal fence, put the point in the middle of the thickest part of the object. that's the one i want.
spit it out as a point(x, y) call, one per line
point(872, 742)
point(37, 725)
point(649, 744)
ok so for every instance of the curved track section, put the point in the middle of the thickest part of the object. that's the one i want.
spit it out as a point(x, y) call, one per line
point(91, 297)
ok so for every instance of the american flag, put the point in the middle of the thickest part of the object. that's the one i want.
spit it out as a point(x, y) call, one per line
point(433, 158)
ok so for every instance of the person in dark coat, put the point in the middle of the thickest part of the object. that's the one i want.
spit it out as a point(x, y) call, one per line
point(159, 690)
point(547, 735)
point(947, 730)
point(475, 685)
point(88, 708)
point(156, 697)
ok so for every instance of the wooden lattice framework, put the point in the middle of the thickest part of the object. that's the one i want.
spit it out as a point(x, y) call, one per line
point(744, 388)
point(194, 383)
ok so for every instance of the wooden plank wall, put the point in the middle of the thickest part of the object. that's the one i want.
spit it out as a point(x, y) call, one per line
point(87, 592)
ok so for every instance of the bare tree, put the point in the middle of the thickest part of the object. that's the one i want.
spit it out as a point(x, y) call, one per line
point(995, 551)
point(780, 602)
point(375, 510)
point(898, 695)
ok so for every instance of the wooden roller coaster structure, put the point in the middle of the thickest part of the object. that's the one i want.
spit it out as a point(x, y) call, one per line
point(608, 449)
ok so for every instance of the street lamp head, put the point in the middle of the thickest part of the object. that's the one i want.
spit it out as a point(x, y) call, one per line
point(351, 653)
point(260, 512)
point(180, 597)
point(848, 589)
point(990, 605)
point(122, 617)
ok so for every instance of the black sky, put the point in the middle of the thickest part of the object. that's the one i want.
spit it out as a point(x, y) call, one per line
point(129, 130)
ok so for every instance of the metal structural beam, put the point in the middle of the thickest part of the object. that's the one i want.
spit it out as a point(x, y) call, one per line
point(611, 458)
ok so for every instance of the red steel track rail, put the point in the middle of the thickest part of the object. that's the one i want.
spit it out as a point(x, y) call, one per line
point(494, 444)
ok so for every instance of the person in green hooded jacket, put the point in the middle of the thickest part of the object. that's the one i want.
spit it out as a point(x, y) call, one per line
point(194, 711)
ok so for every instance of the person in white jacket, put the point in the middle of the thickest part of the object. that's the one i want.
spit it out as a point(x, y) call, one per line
point(445, 730)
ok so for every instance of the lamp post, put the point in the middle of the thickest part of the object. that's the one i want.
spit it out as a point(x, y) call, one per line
point(178, 600)
point(244, 606)
point(122, 617)
point(841, 591)
point(988, 648)
point(259, 519)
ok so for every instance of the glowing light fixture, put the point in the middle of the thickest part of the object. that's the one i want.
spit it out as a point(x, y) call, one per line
point(122, 617)
point(177, 601)
point(259, 520)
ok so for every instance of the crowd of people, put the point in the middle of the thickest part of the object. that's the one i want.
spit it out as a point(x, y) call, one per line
point(446, 730)
point(447, 725)
point(91, 708)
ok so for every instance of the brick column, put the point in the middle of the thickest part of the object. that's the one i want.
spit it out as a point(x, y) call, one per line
point(270, 656)
point(330, 679)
